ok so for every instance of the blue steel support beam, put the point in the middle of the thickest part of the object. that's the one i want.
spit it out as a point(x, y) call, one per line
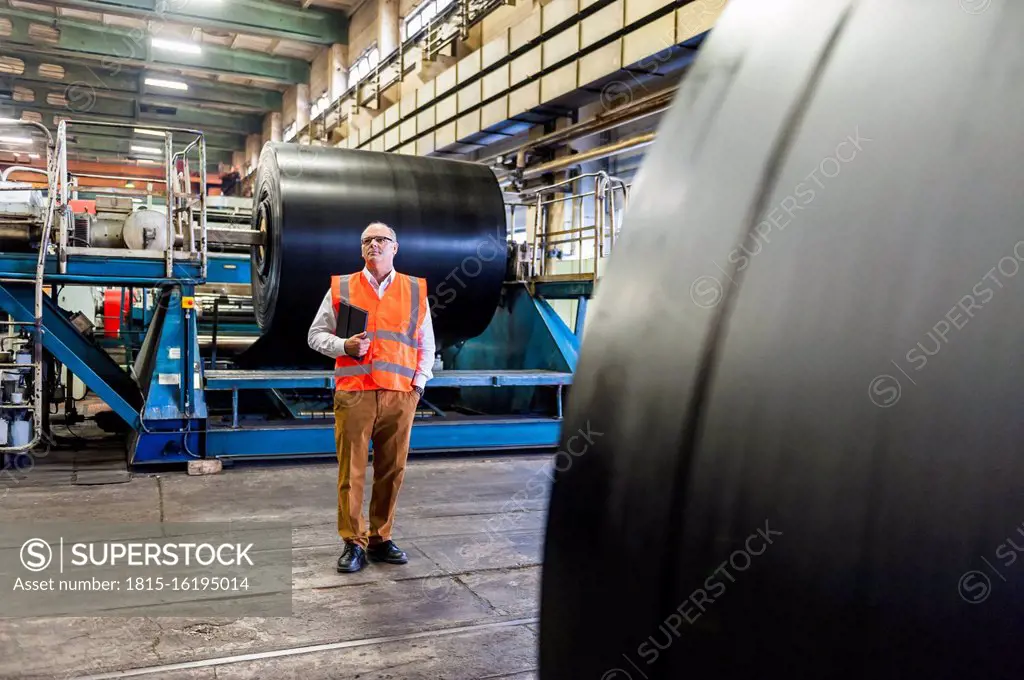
point(581, 316)
point(567, 342)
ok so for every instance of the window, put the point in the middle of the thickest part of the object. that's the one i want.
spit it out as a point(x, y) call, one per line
point(362, 66)
point(289, 132)
point(422, 15)
point(319, 106)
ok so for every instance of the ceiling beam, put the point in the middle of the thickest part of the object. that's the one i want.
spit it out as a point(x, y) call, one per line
point(214, 140)
point(95, 145)
point(113, 111)
point(81, 98)
point(256, 17)
point(118, 46)
point(101, 80)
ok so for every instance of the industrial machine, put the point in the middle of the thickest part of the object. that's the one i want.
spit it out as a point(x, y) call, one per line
point(210, 299)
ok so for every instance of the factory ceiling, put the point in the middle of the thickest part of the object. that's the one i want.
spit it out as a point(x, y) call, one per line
point(218, 66)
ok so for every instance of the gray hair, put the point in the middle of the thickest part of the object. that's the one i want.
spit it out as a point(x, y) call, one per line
point(394, 236)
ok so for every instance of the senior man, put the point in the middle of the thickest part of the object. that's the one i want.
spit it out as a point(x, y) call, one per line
point(379, 375)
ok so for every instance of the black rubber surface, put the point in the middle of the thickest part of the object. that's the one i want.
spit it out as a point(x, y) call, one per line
point(794, 448)
point(314, 203)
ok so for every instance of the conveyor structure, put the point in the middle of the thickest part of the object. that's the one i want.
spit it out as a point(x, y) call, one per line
point(179, 394)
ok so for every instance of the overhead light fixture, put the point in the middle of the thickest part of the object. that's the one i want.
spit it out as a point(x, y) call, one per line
point(9, 120)
point(16, 140)
point(154, 133)
point(169, 84)
point(145, 149)
point(147, 161)
point(179, 45)
point(129, 185)
point(33, 155)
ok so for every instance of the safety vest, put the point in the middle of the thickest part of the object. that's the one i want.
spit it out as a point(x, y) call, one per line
point(391, 326)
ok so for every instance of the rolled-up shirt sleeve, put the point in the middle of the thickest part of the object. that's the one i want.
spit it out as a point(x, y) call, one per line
point(321, 333)
point(425, 349)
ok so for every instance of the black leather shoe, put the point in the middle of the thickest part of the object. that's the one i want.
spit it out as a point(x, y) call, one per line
point(387, 552)
point(353, 559)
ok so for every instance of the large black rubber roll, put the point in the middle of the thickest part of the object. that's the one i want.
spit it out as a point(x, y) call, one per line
point(314, 202)
point(793, 447)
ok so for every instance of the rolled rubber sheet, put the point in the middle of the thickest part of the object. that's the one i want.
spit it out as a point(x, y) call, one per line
point(793, 447)
point(313, 204)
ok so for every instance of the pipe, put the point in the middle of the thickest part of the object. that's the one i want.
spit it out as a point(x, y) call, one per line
point(133, 125)
point(594, 154)
point(30, 123)
point(170, 171)
point(644, 107)
point(21, 168)
point(119, 177)
point(638, 110)
point(204, 263)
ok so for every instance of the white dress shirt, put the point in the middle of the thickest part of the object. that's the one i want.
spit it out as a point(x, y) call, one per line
point(322, 338)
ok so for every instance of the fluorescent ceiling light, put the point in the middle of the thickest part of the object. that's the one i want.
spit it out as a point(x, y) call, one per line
point(33, 155)
point(9, 120)
point(170, 84)
point(154, 133)
point(148, 161)
point(181, 45)
point(16, 140)
point(145, 149)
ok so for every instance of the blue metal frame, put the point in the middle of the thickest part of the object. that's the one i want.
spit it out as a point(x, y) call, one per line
point(567, 342)
point(276, 380)
point(526, 347)
point(581, 316)
point(98, 270)
point(92, 365)
point(228, 268)
point(495, 434)
point(175, 410)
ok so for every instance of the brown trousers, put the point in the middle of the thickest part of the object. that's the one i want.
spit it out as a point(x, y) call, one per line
point(385, 418)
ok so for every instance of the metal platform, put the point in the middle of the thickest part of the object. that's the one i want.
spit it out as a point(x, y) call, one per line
point(249, 380)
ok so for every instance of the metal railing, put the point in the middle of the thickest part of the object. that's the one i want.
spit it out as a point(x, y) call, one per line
point(454, 21)
point(181, 201)
point(36, 364)
point(608, 198)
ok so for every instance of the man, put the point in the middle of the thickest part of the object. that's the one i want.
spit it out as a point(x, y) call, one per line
point(379, 377)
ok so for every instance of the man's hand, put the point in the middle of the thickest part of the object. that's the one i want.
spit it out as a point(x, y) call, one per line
point(358, 345)
point(418, 390)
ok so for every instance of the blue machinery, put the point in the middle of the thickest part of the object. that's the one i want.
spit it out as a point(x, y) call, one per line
point(502, 390)
point(165, 403)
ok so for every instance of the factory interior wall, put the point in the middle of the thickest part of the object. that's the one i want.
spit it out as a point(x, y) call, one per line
point(448, 107)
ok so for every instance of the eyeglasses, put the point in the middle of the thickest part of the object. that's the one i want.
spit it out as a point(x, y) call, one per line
point(380, 240)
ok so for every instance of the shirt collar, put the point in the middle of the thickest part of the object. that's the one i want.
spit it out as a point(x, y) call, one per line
point(373, 281)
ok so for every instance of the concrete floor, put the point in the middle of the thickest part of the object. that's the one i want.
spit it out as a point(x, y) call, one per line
point(473, 602)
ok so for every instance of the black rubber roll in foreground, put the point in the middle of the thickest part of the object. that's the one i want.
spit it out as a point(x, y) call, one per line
point(794, 443)
point(313, 204)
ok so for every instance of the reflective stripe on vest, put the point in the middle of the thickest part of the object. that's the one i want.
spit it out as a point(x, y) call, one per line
point(394, 335)
point(366, 369)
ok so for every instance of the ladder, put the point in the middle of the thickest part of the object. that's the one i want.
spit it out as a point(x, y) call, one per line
point(19, 368)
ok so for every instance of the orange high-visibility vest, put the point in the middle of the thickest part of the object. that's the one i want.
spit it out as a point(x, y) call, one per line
point(392, 325)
